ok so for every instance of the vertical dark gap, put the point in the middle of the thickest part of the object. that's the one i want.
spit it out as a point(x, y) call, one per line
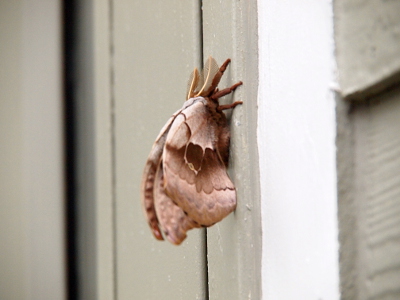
point(113, 147)
point(206, 278)
point(68, 11)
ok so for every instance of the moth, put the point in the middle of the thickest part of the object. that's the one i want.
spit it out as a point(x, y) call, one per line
point(185, 183)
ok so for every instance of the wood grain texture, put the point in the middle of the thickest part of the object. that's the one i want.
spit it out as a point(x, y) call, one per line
point(234, 245)
point(377, 164)
point(369, 197)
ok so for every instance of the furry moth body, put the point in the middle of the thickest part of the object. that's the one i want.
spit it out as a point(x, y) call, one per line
point(185, 184)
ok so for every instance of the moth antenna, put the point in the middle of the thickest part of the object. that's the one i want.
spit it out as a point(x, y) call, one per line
point(200, 83)
point(210, 70)
point(192, 83)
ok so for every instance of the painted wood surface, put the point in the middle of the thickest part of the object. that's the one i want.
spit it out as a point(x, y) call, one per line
point(367, 46)
point(151, 52)
point(155, 48)
point(234, 245)
point(296, 141)
point(369, 206)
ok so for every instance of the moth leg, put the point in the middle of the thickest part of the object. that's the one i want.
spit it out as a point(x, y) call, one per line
point(221, 93)
point(228, 106)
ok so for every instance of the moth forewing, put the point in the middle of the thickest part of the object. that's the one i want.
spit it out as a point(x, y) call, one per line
point(195, 175)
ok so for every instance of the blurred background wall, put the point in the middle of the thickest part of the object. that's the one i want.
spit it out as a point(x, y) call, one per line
point(32, 214)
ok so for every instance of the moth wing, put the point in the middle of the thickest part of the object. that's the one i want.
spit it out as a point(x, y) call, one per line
point(173, 220)
point(195, 176)
point(149, 173)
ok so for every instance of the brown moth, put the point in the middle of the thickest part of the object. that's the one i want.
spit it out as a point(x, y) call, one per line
point(185, 184)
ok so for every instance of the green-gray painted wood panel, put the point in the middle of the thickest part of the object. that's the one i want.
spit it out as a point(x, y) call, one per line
point(234, 245)
point(369, 198)
point(367, 46)
point(155, 47)
point(138, 57)
point(378, 197)
point(367, 50)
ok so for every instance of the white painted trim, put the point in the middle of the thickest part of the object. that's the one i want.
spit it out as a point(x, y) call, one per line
point(296, 143)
